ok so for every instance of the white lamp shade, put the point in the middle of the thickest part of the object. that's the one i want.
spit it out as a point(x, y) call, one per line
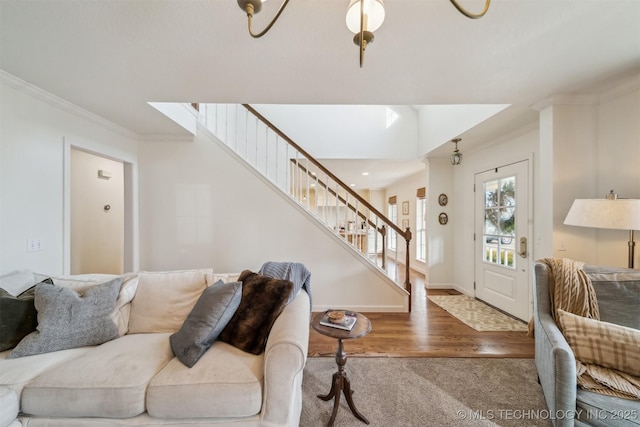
point(373, 11)
point(622, 214)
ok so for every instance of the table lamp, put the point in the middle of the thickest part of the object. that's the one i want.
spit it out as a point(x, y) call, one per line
point(610, 212)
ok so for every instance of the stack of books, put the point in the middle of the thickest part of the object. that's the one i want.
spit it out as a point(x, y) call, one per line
point(334, 319)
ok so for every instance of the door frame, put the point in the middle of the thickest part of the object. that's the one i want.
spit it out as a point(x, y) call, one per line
point(131, 226)
point(530, 229)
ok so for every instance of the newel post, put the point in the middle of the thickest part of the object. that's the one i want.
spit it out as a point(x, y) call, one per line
point(383, 232)
point(407, 281)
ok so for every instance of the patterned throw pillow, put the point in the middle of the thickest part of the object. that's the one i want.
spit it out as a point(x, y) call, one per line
point(67, 319)
point(602, 343)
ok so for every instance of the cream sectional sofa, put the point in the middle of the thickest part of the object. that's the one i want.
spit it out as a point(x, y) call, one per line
point(136, 380)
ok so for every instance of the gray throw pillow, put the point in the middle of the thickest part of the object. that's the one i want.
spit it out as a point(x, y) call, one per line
point(207, 319)
point(68, 320)
point(18, 316)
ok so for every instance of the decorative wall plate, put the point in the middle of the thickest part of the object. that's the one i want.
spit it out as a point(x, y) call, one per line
point(443, 218)
point(443, 199)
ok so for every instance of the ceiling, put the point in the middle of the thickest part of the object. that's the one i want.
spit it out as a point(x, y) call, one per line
point(112, 57)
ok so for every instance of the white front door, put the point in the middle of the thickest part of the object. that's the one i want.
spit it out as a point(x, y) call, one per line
point(502, 238)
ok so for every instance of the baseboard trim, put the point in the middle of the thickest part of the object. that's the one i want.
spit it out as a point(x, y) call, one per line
point(449, 286)
point(363, 308)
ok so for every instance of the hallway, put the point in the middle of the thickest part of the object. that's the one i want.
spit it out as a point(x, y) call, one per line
point(428, 331)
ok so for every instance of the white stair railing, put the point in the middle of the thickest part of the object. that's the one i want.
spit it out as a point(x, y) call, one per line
point(283, 162)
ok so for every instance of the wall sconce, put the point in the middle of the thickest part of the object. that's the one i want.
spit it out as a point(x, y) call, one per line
point(363, 18)
point(610, 212)
point(456, 157)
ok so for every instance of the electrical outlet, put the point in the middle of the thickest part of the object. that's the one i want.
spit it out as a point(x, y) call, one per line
point(34, 245)
point(563, 248)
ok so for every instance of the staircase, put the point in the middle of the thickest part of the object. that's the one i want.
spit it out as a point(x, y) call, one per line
point(296, 173)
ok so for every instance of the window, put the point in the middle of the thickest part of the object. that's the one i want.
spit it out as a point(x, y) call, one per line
point(421, 225)
point(500, 222)
point(392, 213)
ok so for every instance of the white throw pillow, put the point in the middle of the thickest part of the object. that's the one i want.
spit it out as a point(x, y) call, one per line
point(163, 300)
point(17, 282)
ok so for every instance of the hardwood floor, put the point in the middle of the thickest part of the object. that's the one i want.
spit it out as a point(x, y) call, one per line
point(428, 331)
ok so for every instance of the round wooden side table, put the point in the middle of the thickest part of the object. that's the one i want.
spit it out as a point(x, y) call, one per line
point(340, 383)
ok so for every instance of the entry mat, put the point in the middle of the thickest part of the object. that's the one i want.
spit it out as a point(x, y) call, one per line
point(477, 314)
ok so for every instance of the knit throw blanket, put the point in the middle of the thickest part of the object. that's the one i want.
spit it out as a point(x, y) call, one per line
point(293, 271)
point(571, 290)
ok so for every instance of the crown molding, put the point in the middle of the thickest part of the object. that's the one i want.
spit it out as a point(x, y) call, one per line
point(165, 138)
point(621, 87)
point(625, 86)
point(55, 101)
point(561, 99)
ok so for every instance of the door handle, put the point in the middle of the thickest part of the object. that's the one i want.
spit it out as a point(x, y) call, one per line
point(523, 247)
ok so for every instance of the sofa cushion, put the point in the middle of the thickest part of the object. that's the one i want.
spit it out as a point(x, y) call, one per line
point(209, 316)
point(602, 410)
point(17, 282)
point(9, 406)
point(602, 343)
point(618, 294)
point(232, 377)
point(109, 381)
point(225, 277)
point(78, 282)
point(67, 319)
point(263, 299)
point(164, 299)
point(16, 373)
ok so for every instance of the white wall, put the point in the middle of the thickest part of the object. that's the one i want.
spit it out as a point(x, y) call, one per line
point(581, 148)
point(511, 149)
point(347, 131)
point(439, 124)
point(575, 146)
point(405, 190)
point(440, 259)
point(36, 133)
point(592, 163)
point(618, 169)
point(200, 207)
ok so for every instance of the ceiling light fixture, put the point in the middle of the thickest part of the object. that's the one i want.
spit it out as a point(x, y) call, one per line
point(456, 157)
point(363, 18)
point(254, 6)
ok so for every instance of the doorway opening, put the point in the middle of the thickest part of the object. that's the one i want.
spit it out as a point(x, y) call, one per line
point(100, 230)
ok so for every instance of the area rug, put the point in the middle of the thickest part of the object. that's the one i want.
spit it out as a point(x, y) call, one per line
point(425, 392)
point(477, 314)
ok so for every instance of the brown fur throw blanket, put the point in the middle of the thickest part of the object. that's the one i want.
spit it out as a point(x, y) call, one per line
point(263, 299)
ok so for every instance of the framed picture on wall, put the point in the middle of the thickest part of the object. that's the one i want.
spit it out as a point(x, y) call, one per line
point(405, 207)
point(405, 224)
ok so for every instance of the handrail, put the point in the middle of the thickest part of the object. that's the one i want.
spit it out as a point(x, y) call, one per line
point(266, 148)
point(323, 169)
point(343, 200)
